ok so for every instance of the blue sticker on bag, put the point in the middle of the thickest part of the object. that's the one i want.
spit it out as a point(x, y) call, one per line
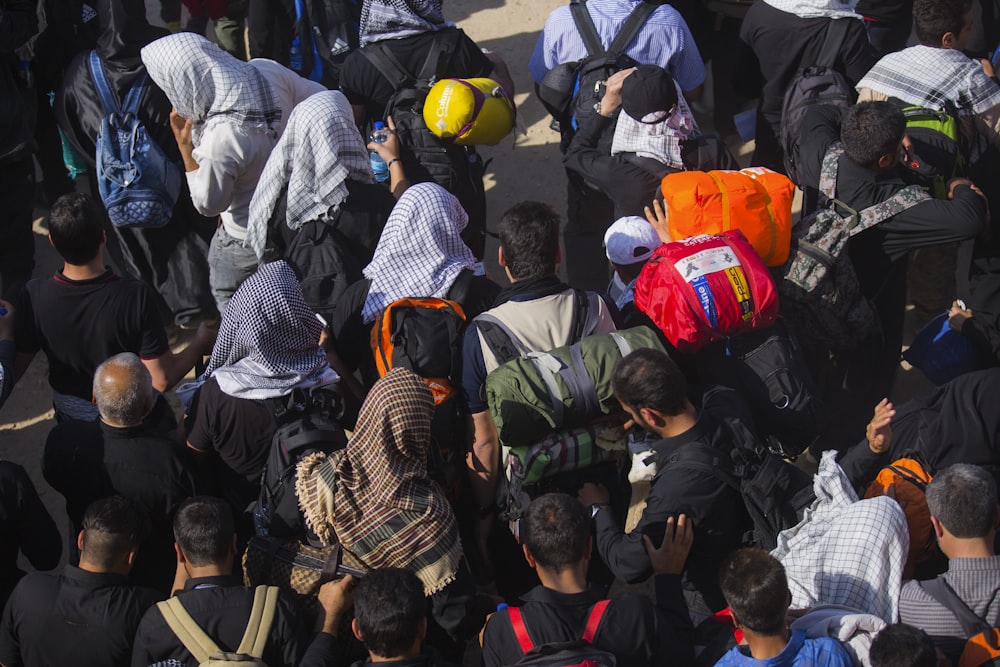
point(707, 299)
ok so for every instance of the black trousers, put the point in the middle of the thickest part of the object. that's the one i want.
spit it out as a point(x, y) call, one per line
point(17, 243)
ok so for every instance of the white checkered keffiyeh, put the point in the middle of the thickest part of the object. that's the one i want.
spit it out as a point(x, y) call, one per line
point(320, 150)
point(420, 252)
point(845, 551)
point(392, 19)
point(930, 77)
point(809, 9)
point(208, 85)
point(268, 341)
point(659, 141)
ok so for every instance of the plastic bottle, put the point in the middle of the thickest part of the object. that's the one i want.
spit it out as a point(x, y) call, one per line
point(379, 168)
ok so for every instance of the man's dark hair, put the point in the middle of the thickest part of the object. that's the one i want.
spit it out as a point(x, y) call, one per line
point(963, 497)
point(76, 225)
point(388, 606)
point(649, 378)
point(556, 528)
point(203, 529)
point(932, 19)
point(111, 528)
point(756, 589)
point(901, 645)
point(529, 236)
point(870, 130)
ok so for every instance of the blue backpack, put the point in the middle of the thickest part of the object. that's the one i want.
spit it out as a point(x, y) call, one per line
point(138, 183)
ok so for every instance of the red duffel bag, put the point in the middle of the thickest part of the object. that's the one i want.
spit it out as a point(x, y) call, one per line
point(706, 288)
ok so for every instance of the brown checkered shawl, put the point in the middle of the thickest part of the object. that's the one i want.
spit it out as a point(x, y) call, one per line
point(375, 494)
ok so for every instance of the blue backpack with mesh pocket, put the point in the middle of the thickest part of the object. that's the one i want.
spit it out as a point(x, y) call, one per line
point(137, 182)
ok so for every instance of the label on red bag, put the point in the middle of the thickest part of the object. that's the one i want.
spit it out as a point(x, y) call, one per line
point(742, 291)
point(707, 261)
point(706, 299)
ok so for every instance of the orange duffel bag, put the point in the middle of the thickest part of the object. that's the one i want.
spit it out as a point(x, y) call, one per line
point(756, 201)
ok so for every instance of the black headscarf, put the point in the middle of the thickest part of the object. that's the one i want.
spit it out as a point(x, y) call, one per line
point(123, 31)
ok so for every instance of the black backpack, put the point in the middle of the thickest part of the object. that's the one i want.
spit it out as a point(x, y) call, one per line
point(578, 653)
point(327, 31)
point(818, 83)
point(306, 425)
point(323, 263)
point(570, 91)
point(426, 158)
point(940, 151)
point(775, 492)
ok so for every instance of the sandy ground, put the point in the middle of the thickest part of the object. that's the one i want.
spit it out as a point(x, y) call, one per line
point(525, 167)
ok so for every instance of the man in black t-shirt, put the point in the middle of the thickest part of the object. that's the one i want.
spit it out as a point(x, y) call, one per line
point(85, 313)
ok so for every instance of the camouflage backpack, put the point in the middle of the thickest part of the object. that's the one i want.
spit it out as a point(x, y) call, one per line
point(819, 291)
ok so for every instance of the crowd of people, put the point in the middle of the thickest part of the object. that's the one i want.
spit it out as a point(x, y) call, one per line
point(351, 356)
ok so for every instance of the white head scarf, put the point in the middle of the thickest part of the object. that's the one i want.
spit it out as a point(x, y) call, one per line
point(420, 252)
point(660, 141)
point(268, 341)
point(208, 85)
point(392, 19)
point(810, 9)
point(320, 150)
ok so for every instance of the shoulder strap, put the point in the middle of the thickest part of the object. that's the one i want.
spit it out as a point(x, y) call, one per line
point(594, 620)
point(906, 198)
point(520, 630)
point(134, 97)
point(388, 65)
point(499, 338)
point(833, 42)
point(581, 309)
point(101, 83)
point(265, 601)
point(442, 50)
point(585, 26)
point(633, 24)
point(190, 633)
point(828, 171)
point(939, 589)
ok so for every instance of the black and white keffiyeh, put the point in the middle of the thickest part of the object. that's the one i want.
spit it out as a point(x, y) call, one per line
point(420, 252)
point(319, 151)
point(930, 77)
point(809, 9)
point(268, 341)
point(660, 141)
point(392, 19)
point(208, 85)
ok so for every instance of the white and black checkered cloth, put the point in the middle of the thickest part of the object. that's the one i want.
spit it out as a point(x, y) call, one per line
point(392, 19)
point(808, 9)
point(421, 251)
point(207, 85)
point(320, 150)
point(845, 551)
point(268, 341)
point(659, 141)
point(929, 77)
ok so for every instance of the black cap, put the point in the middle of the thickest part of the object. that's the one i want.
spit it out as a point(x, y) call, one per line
point(648, 89)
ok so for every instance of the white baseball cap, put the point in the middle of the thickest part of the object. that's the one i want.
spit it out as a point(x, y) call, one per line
point(630, 240)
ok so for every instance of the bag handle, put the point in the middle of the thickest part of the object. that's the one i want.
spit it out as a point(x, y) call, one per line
point(520, 630)
point(108, 100)
point(594, 620)
point(265, 601)
point(585, 26)
point(198, 644)
point(945, 595)
point(630, 29)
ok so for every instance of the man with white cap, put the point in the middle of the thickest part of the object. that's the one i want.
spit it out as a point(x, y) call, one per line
point(629, 243)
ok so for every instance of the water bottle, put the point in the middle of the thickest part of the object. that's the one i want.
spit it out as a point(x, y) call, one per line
point(379, 168)
point(295, 55)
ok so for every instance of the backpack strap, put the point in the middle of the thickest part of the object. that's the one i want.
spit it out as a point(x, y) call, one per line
point(828, 170)
point(630, 29)
point(585, 26)
point(972, 624)
point(833, 41)
point(379, 55)
point(581, 317)
point(441, 51)
point(265, 601)
point(135, 94)
point(594, 620)
point(198, 644)
point(108, 100)
point(520, 630)
point(906, 198)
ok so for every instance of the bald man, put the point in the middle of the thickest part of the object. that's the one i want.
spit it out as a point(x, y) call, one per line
point(129, 452)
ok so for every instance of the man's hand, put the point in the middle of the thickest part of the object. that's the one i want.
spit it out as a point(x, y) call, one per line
point(955, 182)
point(6, 320)
point(205, 337)
point(956, 316)
point(613, 92)
point(987, 68)
point(390, 149)
point(879, 430)
point(181, 127)
point(335, 599)
point(670, 557)
point(657, 216)
point(592, 494)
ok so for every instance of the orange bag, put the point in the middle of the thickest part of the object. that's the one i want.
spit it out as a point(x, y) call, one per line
point(906, 481)
point(756, 201)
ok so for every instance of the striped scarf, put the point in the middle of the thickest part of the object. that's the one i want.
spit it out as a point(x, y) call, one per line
point(375, 494)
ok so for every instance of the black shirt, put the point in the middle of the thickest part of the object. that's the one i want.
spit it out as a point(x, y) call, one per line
point(75, 617)
point(363, 84)
point(719, 515)
point(221, 607)
point(80, 323)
